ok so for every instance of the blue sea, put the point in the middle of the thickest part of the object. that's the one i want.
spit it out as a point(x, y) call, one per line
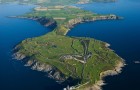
point(123, 35)
point(13, 74)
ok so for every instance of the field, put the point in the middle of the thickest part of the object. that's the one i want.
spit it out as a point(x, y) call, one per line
point(51, 47)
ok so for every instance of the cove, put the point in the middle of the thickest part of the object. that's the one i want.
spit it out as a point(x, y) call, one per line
point(123, 35)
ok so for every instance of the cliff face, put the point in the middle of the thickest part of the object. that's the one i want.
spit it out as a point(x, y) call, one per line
point(52, 72)
point(84, 19)
point(52, 24)
point(18, 56)
point(72, 22)
point(48, 22)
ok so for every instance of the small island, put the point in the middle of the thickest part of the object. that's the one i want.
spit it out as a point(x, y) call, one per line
point(82, 60)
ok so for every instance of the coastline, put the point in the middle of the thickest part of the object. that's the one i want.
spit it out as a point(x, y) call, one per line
point(35, 65)
point(98, 85)
point(70, 24)
point(99, 18)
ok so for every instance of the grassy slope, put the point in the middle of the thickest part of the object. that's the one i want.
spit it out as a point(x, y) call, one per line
point(68, 13)
point(42, 49)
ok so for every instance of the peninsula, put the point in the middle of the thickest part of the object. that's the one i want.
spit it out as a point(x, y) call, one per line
point(82, 60)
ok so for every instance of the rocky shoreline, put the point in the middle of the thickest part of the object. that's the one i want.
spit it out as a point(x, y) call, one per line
point(71, 23)
point(98, 85)
point(54, 72)
point(51, 23)
point(47, 22)
point(117, 70)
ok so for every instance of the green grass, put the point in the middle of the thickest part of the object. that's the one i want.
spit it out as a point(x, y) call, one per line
point(70, 14)
point(67, 12)
point(41, 49)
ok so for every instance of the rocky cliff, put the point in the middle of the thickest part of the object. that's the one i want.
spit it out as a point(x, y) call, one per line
point(75, 21)
point(40, 66)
